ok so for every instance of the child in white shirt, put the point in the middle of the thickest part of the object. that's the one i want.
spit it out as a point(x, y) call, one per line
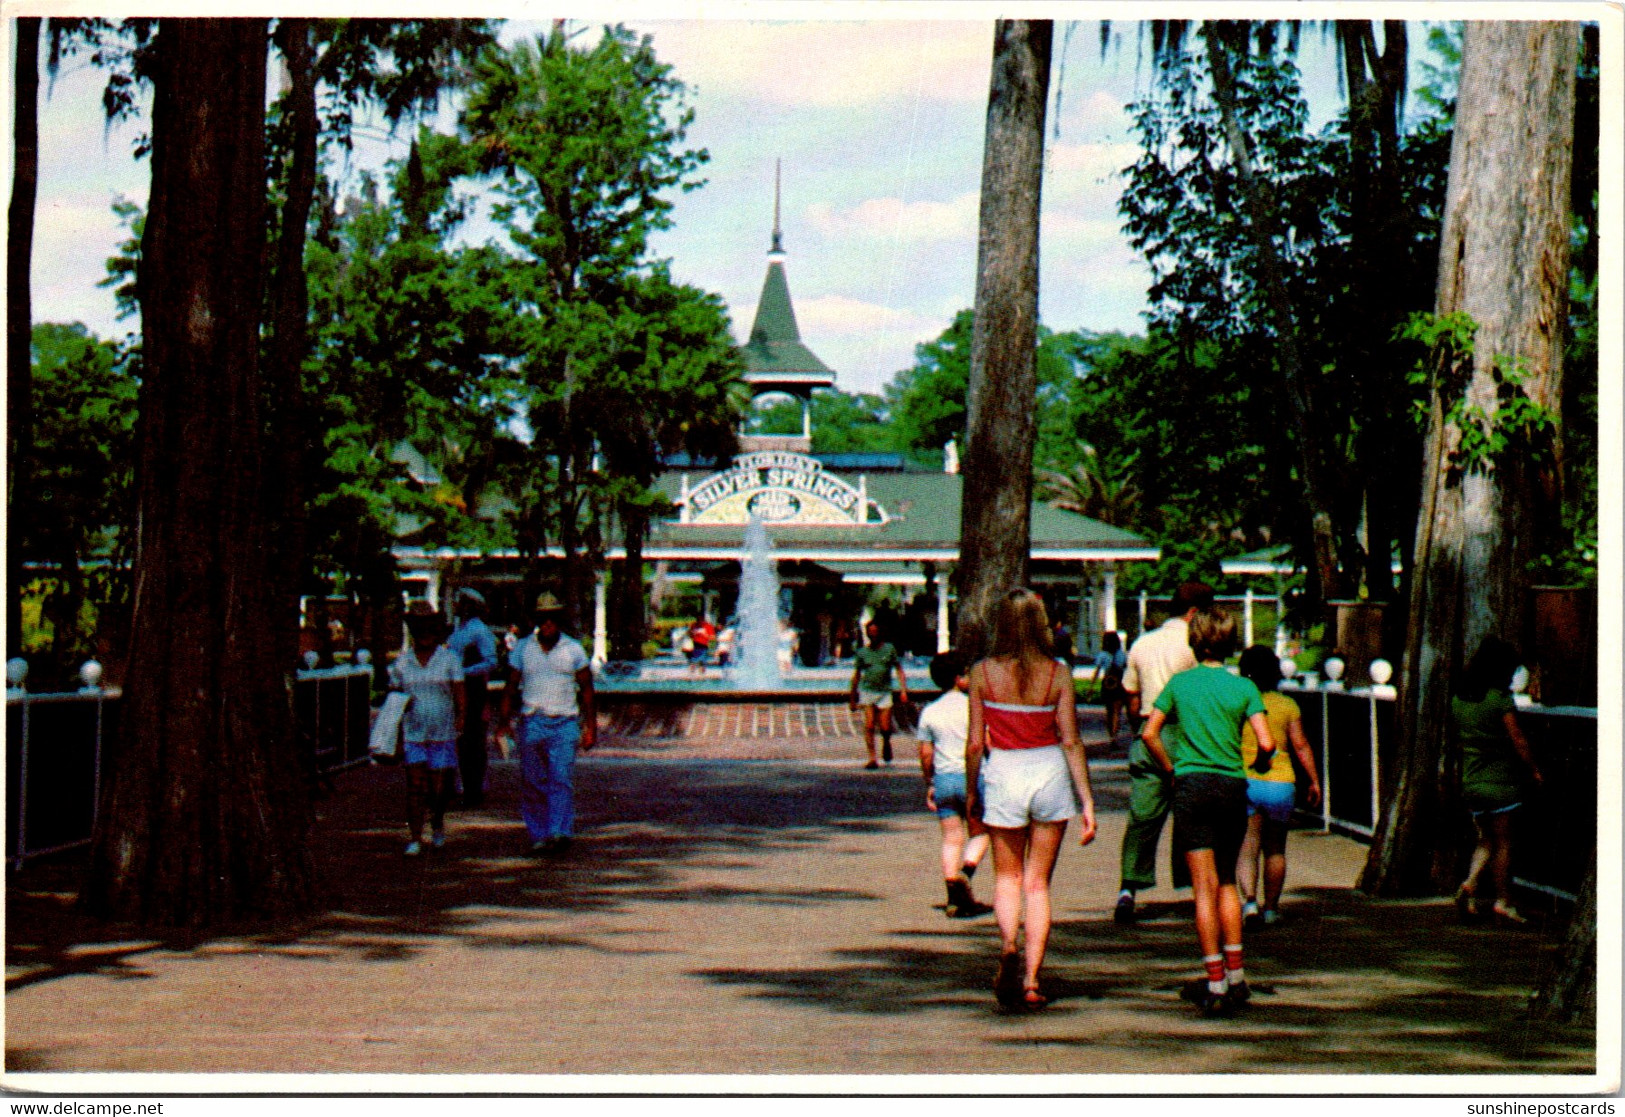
point(942, 731)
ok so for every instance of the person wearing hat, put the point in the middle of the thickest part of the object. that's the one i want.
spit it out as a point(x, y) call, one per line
point(475, 647)
point(433, 678)
point(550, 678)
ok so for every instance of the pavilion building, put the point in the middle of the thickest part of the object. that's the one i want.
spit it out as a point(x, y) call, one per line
point(844, 527)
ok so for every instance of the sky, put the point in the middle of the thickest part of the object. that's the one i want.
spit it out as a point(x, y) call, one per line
point(878, 125)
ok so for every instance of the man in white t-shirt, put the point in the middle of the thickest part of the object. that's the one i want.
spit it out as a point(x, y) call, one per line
point(1155, 658)
point(550, 678)
point(942, 731)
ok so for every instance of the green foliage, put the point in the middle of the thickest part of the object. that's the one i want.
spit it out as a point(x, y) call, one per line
point(1516, 426)
point(79, 509)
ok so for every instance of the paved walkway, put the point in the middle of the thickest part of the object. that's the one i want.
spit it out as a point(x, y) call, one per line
point(770, 916)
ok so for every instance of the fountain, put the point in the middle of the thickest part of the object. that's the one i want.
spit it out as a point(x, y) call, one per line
point(757, 615)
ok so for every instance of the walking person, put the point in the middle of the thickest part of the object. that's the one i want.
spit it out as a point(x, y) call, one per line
point(1272, 792)
point(872, 666)
point(1498, 772)
point(944, 725)
point(1210, 706)
point(1153, 659)
point(550, 678)
point(428, 673)
point(1025, 777)
point(700, 636)
point(1110, 663)
point(475, 646)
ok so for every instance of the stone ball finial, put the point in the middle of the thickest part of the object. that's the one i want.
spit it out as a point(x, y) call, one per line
point(311, 660)
point(16, 672)
point(1334, 667)
point(363, 657)
point(91, 675)
point(1381, 671)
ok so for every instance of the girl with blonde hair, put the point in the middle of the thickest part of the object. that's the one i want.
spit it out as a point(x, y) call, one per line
point(1034, 779)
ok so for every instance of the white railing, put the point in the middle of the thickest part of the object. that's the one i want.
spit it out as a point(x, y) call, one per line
point(56, 742)
point(1352, 734)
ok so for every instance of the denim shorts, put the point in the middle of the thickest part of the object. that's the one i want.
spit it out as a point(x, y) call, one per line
point(1273, 799)
point(948, 789)
point(438, 755)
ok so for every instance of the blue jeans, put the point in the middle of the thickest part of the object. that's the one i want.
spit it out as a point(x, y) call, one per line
point(547, 760)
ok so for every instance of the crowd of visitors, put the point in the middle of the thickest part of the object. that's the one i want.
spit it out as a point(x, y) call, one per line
point(1220, 749)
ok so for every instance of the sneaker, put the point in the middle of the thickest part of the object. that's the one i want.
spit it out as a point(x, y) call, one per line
point(1124, 911)
point(439, 839)
point(1271, 917)
point(1214, 1005)
point(412, 849)
point(1239, 994)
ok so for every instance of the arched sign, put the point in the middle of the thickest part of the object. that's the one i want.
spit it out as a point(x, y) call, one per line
point(777, 487)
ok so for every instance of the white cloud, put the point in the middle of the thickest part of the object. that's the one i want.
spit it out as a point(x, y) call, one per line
point(896, 219)
point(830, 64)
point(1092, 163)
point(843, 316)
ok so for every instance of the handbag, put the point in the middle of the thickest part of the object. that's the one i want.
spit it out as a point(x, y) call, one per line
point(384, 741)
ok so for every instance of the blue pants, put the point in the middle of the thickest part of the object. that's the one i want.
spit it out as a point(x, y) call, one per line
point(547, 760)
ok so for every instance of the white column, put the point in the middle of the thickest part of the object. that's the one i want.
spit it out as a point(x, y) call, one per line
point(943, 642)
point(433, 592)
point(600, 620)
point(1142, 612)
point(1108, 618)
point(806, 417)
point(1247, 619)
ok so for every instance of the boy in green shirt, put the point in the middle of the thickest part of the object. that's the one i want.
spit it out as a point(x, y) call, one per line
point(1210, 706)
point(871, 689)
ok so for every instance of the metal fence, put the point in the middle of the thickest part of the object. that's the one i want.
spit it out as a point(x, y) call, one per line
point(56, 745)
point(1352, 735)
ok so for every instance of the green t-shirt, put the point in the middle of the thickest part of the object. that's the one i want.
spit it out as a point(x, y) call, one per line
point(875, 667)
point(1210, 705)
point(1490, 768)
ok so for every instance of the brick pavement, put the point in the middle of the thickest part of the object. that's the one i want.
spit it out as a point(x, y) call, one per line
point(766, 917)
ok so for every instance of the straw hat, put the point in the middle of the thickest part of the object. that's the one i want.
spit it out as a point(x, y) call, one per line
point(547, 603)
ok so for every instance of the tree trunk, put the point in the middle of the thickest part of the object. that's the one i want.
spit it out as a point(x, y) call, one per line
point(286, 348)
point(20, 311)
point(628, 622)
point(995, 518)
point(1318, 490)
point(1570, 988)
point(205, 812)
point(1504, 256)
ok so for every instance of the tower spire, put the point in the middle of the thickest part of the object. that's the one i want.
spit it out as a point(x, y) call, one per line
point(778, 235)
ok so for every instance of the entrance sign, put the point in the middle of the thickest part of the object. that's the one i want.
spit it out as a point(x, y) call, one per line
point(777, 487)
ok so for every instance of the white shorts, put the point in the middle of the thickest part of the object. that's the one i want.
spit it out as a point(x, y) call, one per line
point(880, 700)
point(1027, 785)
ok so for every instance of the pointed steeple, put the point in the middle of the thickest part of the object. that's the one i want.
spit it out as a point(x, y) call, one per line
point(778, 235)
point(774, 350)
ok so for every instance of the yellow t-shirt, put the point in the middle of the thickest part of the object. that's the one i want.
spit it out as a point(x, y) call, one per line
point(1280, 711)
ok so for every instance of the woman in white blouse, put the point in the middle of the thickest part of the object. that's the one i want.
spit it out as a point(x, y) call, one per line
point(433, 677)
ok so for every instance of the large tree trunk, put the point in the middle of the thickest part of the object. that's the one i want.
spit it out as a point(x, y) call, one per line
point(1504, 260)
point(20, 311)
point(204, 814)
point(1221, 38)
point(286, 348)
point(995, 519)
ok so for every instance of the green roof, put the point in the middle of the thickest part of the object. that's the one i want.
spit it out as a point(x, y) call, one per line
point(775, 346)
point(925, 517)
